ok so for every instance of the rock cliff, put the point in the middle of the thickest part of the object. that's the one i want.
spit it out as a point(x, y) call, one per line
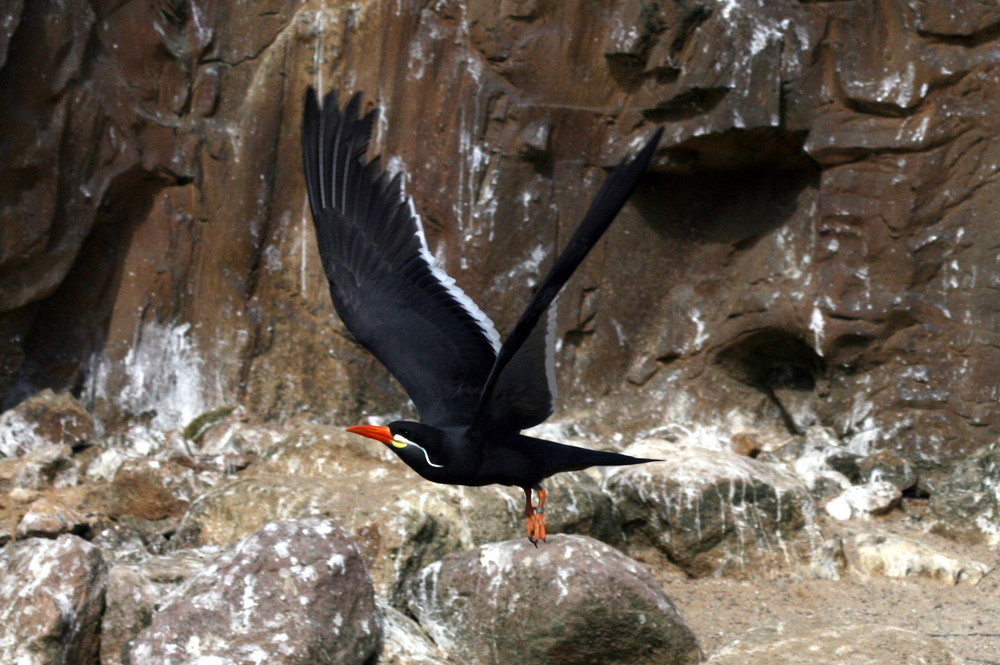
point(816, 243)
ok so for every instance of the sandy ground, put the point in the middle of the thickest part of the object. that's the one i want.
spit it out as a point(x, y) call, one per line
point(965, 617)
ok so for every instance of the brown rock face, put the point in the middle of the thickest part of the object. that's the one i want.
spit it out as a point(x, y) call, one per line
point(816, 244)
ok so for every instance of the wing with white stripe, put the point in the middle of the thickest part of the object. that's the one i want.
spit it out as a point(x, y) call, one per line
point(385, 285)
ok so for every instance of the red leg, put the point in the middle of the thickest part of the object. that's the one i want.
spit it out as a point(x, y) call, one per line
point(535, 516)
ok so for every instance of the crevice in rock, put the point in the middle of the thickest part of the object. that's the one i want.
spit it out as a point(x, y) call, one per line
point(71, 324)
point(773, 360)
point(688, 104)
point(576, 336)
point(984, 35)
point(733, 207)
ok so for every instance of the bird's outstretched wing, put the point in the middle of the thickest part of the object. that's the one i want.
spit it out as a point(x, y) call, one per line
point(385, 285)
point(513, 397)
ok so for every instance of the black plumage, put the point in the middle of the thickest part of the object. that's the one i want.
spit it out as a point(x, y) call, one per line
point(473, 395)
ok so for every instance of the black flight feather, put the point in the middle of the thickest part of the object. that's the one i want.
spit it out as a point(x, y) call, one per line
point(383, 282)
point(603, 210)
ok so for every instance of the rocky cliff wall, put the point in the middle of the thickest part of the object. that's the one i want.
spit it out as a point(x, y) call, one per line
point(817, 242)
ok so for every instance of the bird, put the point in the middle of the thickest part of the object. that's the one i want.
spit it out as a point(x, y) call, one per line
point(474, 396)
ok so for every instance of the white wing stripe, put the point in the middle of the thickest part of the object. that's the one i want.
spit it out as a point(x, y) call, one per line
point(485, 324)
point(550, 348)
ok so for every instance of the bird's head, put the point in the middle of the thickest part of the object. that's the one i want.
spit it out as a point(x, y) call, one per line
point(417, 444)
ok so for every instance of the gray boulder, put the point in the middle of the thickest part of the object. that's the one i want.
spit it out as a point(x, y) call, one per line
point(295, 592)
point(708, 510)
point(571, 601)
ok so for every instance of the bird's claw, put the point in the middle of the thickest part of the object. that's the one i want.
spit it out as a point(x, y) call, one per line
point(536, 527)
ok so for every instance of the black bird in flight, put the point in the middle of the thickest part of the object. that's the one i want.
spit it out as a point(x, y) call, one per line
point(474, 395)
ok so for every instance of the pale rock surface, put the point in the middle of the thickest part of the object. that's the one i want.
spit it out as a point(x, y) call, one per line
point(106, 464)
point(47, 466)
point(572, 601)
point(872, 498)
point(822, 462)
point(897, 556)
point(404, 642)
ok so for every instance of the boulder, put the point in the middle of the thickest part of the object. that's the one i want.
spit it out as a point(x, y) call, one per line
point(130, 603)
point(135, 590)
point(875, 497)
point(154, 489)
point(966, 502)
point(707, 510)
point(46, 419)
point(888, 466)
point(51, 598)
point(852, 644)
point(572, 601)
point(294, 592)
point(877, 553)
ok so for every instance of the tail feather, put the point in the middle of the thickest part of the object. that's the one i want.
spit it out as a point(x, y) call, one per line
point(607, 458)
point(560, 457)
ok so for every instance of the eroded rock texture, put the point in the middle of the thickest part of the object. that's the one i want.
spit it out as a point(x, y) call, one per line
point(816, 243)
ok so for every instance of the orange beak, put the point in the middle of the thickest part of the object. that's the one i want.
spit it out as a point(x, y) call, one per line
point(372, 432)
